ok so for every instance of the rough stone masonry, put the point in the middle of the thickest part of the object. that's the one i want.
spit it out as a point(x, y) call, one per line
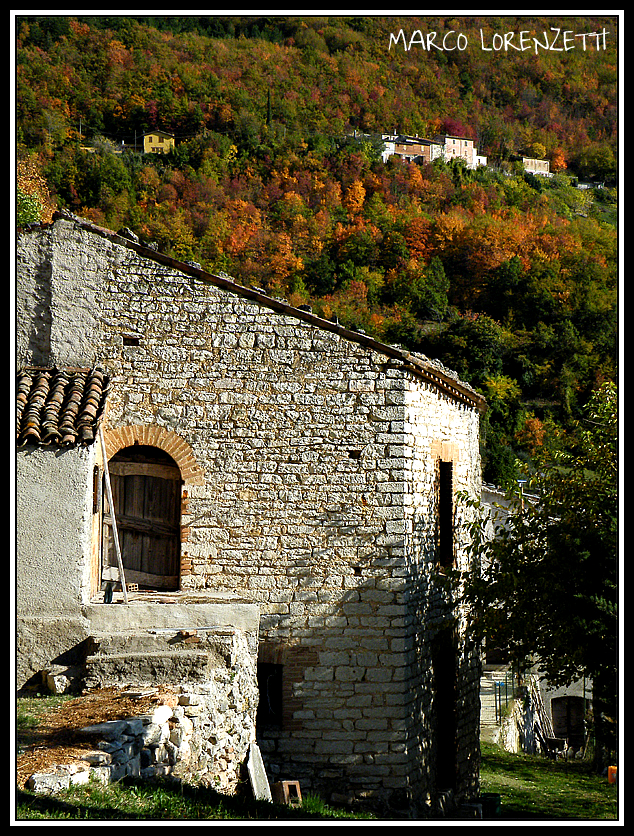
point(320, 479)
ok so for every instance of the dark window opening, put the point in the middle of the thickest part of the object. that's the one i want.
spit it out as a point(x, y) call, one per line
point(444, 664)
point(445, 515)
point(568, 717)
point(131, 340)
point(495, 656)
point(270, 690)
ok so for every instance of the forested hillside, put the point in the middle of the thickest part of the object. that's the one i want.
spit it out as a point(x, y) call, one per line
point(277, 179)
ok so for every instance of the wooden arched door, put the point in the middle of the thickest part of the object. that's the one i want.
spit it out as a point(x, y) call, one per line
point(146, 493)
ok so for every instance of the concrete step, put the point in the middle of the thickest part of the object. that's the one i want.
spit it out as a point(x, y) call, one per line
point(139, 657)
point(145, 641)
point(183, 614)
point(147, 668)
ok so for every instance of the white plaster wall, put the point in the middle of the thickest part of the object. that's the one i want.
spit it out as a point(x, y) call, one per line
point(53, 541)
point(53, 537)
point(57, 312)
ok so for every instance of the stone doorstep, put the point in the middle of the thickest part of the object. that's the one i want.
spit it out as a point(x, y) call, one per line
point(189, 653)
point(158, 655)
point(215, 640)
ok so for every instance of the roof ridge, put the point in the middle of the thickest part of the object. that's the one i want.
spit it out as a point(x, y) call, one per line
point(431, 370)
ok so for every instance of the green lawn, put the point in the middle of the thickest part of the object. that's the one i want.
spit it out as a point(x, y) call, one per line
point(537, 788)
point(529, 788)
point(166, 802)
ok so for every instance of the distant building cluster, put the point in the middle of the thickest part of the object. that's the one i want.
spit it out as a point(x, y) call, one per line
point(533, 166)
point(153, 142)
point(447, 147)
point(411, 148)
point(418, 149)
point(158, 142)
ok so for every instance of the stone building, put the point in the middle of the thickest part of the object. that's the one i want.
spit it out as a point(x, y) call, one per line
point(533, 166)
point(458, 147)
point(261, 456)
point(411, 148)
point(420, 150)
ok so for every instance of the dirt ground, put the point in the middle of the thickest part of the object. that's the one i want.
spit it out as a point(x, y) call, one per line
point(57, 736)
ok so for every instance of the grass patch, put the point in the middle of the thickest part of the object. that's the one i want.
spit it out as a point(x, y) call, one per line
point(130, 800)
point(136, 800)
point(530, 788)
point(533, 787)
point(30, 710)
point(30, 713)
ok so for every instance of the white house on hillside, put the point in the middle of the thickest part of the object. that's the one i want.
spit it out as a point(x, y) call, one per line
point(417, 149)
point(534, 166)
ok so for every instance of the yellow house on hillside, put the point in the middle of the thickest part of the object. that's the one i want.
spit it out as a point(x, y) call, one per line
point(158, 142)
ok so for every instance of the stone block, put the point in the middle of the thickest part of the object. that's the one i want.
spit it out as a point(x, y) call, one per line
point(49, 782)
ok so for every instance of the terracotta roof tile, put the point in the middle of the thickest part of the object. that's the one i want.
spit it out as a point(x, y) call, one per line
point(59, 406)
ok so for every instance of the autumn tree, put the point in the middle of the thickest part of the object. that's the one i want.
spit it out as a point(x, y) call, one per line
point(278, 179)
point(34, 203)
point(558, 161)
point(354, 197)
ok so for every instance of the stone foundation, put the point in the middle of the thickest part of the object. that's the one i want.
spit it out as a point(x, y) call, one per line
point(201, 739)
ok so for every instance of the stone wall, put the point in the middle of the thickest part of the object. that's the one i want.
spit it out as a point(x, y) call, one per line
point(187, 739)
point(202, 730)
point(319, 451)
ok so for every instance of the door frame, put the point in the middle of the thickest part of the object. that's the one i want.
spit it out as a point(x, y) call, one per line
point(141, 532)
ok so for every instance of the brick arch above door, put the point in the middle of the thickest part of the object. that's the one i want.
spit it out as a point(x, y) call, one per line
point(154, 436)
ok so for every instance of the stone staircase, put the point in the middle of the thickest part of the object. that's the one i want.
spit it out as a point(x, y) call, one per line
point(489, 725)
point(161, 656)
point(166, 641)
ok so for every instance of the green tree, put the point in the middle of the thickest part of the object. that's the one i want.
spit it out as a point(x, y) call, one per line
point(545, 586)
point(430, 299)
point(474, 345)
point(421, 288)
point(28, 208)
